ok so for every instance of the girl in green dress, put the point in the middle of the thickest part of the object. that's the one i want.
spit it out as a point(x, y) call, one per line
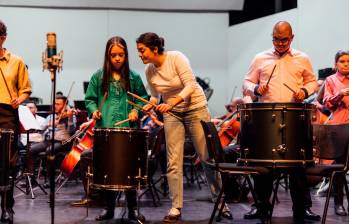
point(114, 80)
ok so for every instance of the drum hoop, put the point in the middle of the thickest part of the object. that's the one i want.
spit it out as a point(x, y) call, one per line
point(6, 130)
point(276, 162)
point(5, 188)
point(127, 130)
point(277, 109)
point(116, 187)
point(270, 106)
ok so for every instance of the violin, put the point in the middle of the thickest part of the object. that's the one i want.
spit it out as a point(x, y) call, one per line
point(84, 143)
point(229, 129)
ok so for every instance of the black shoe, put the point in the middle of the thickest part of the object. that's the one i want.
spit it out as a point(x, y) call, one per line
point(134, 215)
point(7, 217)
point(252, 214)
point(340, 210)
point(309, 215)
point(105, 215)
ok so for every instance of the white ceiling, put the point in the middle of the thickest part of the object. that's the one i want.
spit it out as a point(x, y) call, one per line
point(168, 5)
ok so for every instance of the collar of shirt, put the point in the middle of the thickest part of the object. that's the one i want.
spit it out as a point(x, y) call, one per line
point(6, 56)
point(289, 51)
point(341, 77)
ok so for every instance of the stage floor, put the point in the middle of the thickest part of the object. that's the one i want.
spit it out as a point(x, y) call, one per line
point(197, 208)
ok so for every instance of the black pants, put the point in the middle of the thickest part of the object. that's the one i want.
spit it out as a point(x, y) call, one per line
point(299, 190)
point(108, 196)
point(9, 120)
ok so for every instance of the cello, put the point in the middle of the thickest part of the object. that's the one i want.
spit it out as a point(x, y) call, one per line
point(229, 129)
point(86, 142)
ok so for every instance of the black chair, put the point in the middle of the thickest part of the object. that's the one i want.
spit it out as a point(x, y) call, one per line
point(218, 163)
point(332, 143)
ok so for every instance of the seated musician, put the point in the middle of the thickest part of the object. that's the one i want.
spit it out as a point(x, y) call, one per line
point(266, 79)
point(37, 136)
point(106, 100)
point(336, 98)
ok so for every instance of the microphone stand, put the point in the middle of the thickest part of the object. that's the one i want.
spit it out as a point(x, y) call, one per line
point(53, 64)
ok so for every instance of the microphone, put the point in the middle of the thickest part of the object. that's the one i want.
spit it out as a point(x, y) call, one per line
point(51, 44)
point(50, 59)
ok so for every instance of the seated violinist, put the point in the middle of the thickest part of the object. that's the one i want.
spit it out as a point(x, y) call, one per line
point(65, 122)
point(231, 108)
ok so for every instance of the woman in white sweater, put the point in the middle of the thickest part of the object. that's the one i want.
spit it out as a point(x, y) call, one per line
point(171, 78)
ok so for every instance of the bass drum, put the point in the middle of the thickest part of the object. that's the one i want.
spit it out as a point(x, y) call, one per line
point(6, 139)
point(119, 158)
point(276, 134)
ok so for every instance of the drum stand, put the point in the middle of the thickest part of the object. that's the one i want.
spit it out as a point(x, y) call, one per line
point(28, 174)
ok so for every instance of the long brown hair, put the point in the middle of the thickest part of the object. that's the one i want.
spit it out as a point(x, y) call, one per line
point(108, 67)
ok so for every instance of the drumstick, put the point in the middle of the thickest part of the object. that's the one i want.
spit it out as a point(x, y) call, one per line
point(272, 72)
point(121, 122)
point(289, 88)
point(154, 105)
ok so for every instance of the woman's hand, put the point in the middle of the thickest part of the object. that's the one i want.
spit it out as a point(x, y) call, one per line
point(96, 115)
point(164, 107)
point(133, 115)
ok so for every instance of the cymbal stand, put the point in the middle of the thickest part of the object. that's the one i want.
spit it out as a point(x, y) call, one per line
point(28, 173)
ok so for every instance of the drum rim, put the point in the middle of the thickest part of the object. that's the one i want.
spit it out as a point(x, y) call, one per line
point(140, 130)
point(276, 105)
point(6, 130)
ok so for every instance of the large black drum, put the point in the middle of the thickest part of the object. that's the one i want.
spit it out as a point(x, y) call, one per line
point(119, 158)
point(276, 134)
point(6, 139)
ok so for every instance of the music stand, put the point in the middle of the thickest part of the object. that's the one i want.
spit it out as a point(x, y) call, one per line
point(29, 125)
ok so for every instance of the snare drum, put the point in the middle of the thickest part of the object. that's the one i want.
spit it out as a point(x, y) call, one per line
point(119, 158)
point(6, 140)
point(276, 134)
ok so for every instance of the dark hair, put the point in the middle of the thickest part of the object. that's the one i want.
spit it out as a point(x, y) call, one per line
point(108, 67)
point(339, 54)
point(61, 97)
point(152, 40)
point(3, 29)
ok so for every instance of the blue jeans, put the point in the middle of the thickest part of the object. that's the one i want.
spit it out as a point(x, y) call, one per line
point(175, 132)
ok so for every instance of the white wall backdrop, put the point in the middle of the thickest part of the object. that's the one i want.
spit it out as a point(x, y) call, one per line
point(216, 51)
point(82, 35)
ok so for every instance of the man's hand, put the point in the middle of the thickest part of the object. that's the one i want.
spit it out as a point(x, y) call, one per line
point(344, 92)
point(299, 95)
point(262, 89)
point(15, 103)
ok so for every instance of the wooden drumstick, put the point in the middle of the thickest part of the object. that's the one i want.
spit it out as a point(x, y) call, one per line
point(272, 72)
point(121, 122)
point(289, 88)
point(154, 105)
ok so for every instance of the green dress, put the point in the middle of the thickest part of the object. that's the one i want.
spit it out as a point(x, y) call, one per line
point(115, 107)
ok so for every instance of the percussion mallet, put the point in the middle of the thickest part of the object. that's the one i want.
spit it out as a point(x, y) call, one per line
point(121, 122)
point(272, 72)
point(289, 88)
point(154, 105)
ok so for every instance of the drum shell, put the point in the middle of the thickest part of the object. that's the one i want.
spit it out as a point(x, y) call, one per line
point(266, 127)
point(119, 156)
point(6, 139)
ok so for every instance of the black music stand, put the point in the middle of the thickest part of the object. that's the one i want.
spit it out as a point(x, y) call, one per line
point(29, 124)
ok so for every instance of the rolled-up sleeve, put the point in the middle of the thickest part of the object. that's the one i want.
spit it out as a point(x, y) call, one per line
point(309, 79)
point(186, 75)
point(24, 86)
point(251, 79)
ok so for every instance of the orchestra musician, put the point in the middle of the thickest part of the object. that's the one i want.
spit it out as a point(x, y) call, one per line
point(15, 88)
point(336, 98)
point(170, 76)
point(109, 86)
point(266, 78)
point(65, 125)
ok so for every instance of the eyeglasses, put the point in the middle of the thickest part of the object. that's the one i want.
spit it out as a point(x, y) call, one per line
point(282, 41)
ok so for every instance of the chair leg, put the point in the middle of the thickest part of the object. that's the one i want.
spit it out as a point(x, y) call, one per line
point(216, 204)
point(328, 196)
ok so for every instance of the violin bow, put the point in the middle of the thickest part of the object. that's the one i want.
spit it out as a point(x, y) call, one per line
point(154, 105)
point(66, 102)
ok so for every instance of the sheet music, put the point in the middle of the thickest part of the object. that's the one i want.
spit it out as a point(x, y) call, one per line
point(27, 119)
